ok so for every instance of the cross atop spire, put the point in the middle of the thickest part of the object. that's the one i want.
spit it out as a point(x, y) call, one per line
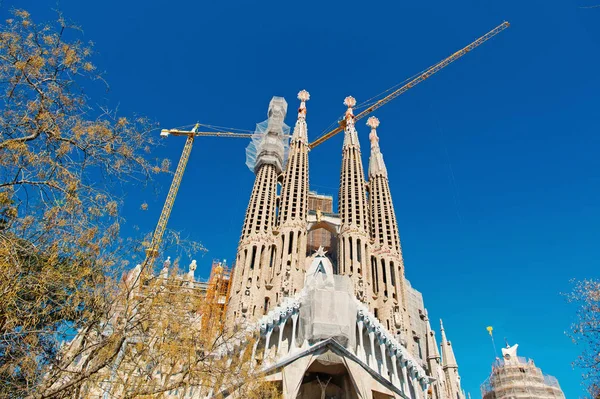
point(373, 123)
point(303, 96)
point(300, 129)
point(349, 102)
point(350, 136)
point(376, 164)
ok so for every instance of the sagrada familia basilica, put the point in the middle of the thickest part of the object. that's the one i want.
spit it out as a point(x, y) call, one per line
point(327, 291)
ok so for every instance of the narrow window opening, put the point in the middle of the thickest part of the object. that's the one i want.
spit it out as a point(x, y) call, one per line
point(351, 249)
point(272, 256)
point(253, 258)
point(291, 241)
point(266, 305)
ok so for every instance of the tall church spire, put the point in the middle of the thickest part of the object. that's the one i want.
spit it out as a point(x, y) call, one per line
point(387, 267)
point(384, 229)
point(257, 248)
point(354, 237)
point(294, 207)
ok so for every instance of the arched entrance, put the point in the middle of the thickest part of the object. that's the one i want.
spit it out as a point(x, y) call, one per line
point(327, 378)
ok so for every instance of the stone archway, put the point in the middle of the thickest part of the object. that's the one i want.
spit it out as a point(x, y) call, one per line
point(327, 378)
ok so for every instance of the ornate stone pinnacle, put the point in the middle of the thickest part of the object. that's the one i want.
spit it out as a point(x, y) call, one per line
point(349, 102)
point(373, 122)
point(193, 265)
point(303, 96)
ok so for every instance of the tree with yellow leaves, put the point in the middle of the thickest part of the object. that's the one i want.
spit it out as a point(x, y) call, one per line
point(163, 337)
point(585, 332)
point(70, 325)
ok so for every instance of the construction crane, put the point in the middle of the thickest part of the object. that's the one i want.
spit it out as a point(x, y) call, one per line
point(176, 132)
point(161, 226)
point(420, 78)
point(152, 251)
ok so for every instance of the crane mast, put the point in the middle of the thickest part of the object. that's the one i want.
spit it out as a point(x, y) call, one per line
point(430, 71)
point(152, 251)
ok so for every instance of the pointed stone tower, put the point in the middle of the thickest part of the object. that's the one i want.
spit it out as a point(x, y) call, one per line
point(293, 209)
point(434, 363)
point(385, 334)
point(450, 367)
point(387, 267)
point(257, 247)
point(353, 251)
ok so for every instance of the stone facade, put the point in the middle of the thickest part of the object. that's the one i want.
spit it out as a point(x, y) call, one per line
point(281, 234)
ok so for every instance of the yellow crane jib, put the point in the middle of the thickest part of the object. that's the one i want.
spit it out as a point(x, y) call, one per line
point(430, 71)
point(176, 132)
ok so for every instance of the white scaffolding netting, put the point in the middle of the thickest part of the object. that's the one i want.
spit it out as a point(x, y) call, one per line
point(328, 310)
point(257, 142)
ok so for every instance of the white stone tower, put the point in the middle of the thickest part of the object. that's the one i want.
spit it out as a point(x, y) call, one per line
point(360, 313)
point(293, 209)
point(387, 266)
point(353, 251)
point(257, 249)
point(434, 364)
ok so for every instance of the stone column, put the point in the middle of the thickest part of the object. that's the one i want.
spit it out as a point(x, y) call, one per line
point(267, 341)
point(361, 346)
point(424, 387)
point(405, 387)
point(395, 380)
point(294, 321)
point(372, 360)
point(281, 328)
point(384, 370)
point(416, 386)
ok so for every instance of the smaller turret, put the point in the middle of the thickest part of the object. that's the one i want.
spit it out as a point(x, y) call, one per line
point(450, 368)
point(448, 359)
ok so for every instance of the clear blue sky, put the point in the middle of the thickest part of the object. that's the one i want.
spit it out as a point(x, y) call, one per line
point(493, 163)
